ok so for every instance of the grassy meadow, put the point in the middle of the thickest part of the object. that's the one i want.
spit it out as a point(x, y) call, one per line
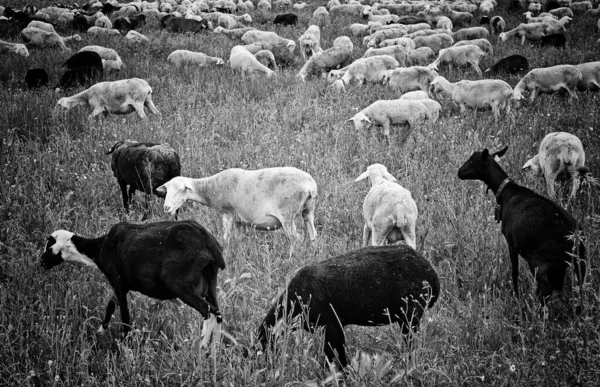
point(54, 174)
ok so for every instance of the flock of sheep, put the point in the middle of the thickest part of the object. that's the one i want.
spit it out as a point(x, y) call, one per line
point(171, 259)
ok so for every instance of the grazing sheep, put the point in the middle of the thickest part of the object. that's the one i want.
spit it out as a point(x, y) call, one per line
point(487, 7)
point(498, 24)
point(482, 43)
point(13, 48)
point(558, 26)
point(347, 9)
point(407, 43)
point(42, 26)
point(235, 33)
point(470, 34)
point(310, 42)
point(459, 56)
point(549, 80)
point(560, 156)
point(397, 52)
point(410, 79)
point(36, 78)
point(286, 19)
point(483, 94)
point(389, 210)
point(243, 60)
point(118, 97)
point(84, 59)
point(183, 25)
point(184, 58)
point(322, 62)
point(143, 167)
point(359, 29)
point(444, 23)
point(385, 34)
point(43, 39)
point(369, 287)
point(581, 7)
point(420, 56)
point(384, 113)
point(531, 31)
point(590, 72)
point(457, 17)
point(535, 227)
point(136, 37)
point(163, 260)
point(103, 22)
point(417, 94)
point(320, 16)
point(233, 21)
point(266, 58)
point(512, 64)
point(561, 12)
point(371, 69)
point(256, 36)
point(301, 7)
point(395, 9)
point(265, 199)
point(435, 42)
point(107, 54)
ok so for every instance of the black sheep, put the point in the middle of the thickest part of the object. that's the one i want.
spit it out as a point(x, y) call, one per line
point(81, 23)
point(163, 20)
point(555, 40)
point(369, 287)
point(513, 64)
point(79, 75)
point(286, 19)
point(484, 20)
point(552, 4)
point(143, 166)
point(183, 25)
point(123, 25)
point(410, 19)
point(535, 227)
point(84, 59)
point(36, 78)
point(163, 260)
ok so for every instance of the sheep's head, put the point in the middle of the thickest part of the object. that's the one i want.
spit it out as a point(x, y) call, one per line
point(76, 38)
point(219, 62)
point(334, 75)
point(376, 173)
point(22, 50)
point(247, 18)
point(502, 36)
point(291, 46)
point(60, 248)
point(63, 103)
point(339, 85)
point(218, 29)
point(532, 167)
point(360, 120)
point(177, 191)
point(479, 165)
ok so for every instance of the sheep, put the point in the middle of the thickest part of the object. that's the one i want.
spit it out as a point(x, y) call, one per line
point(103, 22)
point(498, 24)
point(119, 97)
point(320, 16)
point(266, 58)
point(83, 67)
point(183, 25)
point(417, 94)
point(113, 60)
point(163, 260)
point(420, 56)
point(243, 60)
point(470, 34)
point(370, 69)
point(435, 42)
point(549, 80)
point(560, 156)
point(410, 19)
point(408, 44)
point(410, 79)
point(486, 93)
point(13, 48)
point(458, 18)
point(286, 19)
point(531, 31)
point(581, 7)
point(395, 9)
point(384, 34)
point(233, 21)
point(36, 78)
point(265, 199)
point(557, 26)
point(397, 52)
point(530, 19)
point(487, 7)
point(359, 29)
point(300, 7)
point(347, 9)
point(482, 43)
point(82, 22)
point(126, 24)
point(184, 58)
point(389, 210)
point(136, 37)
point(485, 20)
point(84, 59)
point(263, 6)
point(562, 12)
point(99, 31)
point(332, 3)
point(386, 112)
point(42, 25)
point(42, 39)
point(590, 72)
point(143, 167)
point(554, 40)
point(512, 64)
point(460, 56)
point(310, 42)
point(235, 33)
point(256, 36)
point(369, 287)
point(324, 61)
point(535, 227)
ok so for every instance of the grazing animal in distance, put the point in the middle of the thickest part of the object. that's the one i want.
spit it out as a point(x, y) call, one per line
point(512, 64)
point(36, 78)
point(286, 19)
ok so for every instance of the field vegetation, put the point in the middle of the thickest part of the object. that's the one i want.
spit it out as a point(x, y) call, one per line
point(54, 174)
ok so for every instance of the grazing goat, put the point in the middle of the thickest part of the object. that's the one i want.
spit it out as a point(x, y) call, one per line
point(143, 167)
point(36, 78)
point(535, 227)
point(372, 286)
point(163, 260)
point(560, 156)
point(389, 210)
point(510, 65)
point(118, 97)
point(265, 199)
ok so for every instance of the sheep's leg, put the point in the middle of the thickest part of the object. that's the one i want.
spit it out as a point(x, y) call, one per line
point(386, 132)
point(575, 184)
point(150, 105)
point(122, 298)
point(147, 208)
point(335, 341)
point(550, 178)
point(381, 229)
point(139, 110)
point(126, 198)
point(514, 260)
point(366, 235)
point(533, 94)
point(475, 66)
point(227, 225)
point(110, 310)
point(410, 235)
point(308, 214)
point(130, 195)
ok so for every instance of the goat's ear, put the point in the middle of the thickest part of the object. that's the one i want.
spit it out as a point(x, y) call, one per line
point(485, 154)
point(501, 152)
point(364, 175)
point(162, 189)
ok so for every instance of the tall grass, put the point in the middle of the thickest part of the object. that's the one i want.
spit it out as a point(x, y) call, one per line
point(55, 175)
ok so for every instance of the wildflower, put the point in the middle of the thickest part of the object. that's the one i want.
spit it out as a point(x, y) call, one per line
point(50, 362)
point(512, 368)
point(56, 378)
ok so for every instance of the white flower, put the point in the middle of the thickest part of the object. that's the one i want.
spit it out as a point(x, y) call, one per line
point(513, 368)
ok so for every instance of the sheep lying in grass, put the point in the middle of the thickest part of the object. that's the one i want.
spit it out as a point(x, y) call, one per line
point(265, 199)
point(590, 76)
point(44, 39)
point(13, 48)
point(369, 287)
point(410, 78)
point(389, 210)
point(549, 80)
point(143, 166)
point(310, 42)
point(535, 227)
point(240, 59)
point(256, 36)
point(560, 156)
point(371, 69)
point(459, 56)
point(483, 94)
point(184, 58)
point(118, 97)
point(163, 260)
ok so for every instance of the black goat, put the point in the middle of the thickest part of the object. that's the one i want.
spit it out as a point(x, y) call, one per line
point(369, 287)
point(163, 260)
point(84, 59)
point(183, 25)
point(79, 75)
point(535, 227)
point(126, 24)
point(513, 64)
point(555, 40)
point(552, 4)
point(144, 166)
point(484, 20)
point(36, 78)
point(286, 19)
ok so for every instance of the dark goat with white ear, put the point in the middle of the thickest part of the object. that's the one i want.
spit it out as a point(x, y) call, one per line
point(163, 260)
point(370, 287)
point(535, 227)
point(143, 166)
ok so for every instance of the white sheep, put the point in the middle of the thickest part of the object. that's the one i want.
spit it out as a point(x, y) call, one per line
point(459, 56)
point(347, 9)
point(359, 29)
point(487, 7)
point(14, 48)
point(590, 72)
point(137, 38)
point(310, 41)
point(417, 94)
point(233, 21)
point(384, 113)
point(41, 25)
point(482, 43)
point(486, 93)
point(420, 56)
point(235, 33)
point(119, 97)
point(531, 31)
point(410, 79)
point(320, 16)
point(103, 22)
point(243, 60)
point(371, 69)
point(436, 42)
point(43, 39)
point(397, 52)
point(184, 58)
point(560, 155)
point(470, 33)
point(561, 12)
point(379, 36)
point(300, 7)
point(444, 23)
point(256, 36)
point(389, 209)
point(266, 58)
point(107, 54)
point(99, 31)
point(549, 80)
point(265, 199)
point(407, 43)
point(322, 62)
